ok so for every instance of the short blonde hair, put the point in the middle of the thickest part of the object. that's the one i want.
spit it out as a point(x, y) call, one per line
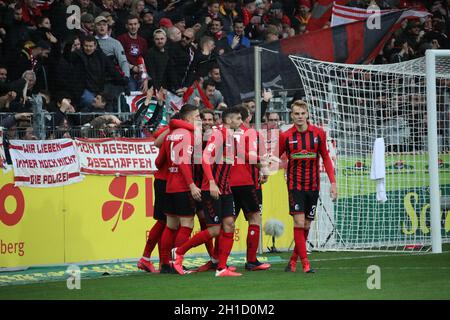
point(299, 103)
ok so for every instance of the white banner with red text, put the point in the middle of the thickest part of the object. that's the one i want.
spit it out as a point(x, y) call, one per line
point(44, 163)
point(119, 156)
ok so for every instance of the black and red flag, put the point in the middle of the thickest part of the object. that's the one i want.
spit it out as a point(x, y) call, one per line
point(353, 43)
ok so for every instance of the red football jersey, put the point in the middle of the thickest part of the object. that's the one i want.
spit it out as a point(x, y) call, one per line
point(246, 174)
point(177, 152)
point(161, 174)
point(218, 158)
point(303, 150)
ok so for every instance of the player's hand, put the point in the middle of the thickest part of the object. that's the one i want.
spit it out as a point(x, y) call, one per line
point(333, 192)
point(267, 95)
point(214, 190)
point(161, 95)
point(235, 42)
point(195, 192)
point(263, 178)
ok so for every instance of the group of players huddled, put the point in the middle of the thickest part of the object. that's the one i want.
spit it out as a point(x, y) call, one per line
point(214, 172)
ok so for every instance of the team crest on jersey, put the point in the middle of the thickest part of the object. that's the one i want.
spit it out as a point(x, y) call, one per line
point(316, 140)
point(297, 207)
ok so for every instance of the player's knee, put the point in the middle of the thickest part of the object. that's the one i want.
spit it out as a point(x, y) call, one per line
point(228, 225)
point(254, 218)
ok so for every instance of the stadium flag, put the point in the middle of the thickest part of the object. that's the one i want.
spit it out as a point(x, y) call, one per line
point(136, 100)
point(343, 14)
point(203, 96)
point(321, 13)
point(124, 156)
point(44, 163)
point(43, 4)
point(352, 43)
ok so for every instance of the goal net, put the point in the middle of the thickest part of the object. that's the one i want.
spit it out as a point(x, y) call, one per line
point(357, 104)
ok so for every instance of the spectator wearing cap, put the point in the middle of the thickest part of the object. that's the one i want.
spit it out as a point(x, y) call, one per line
point(88, 6)
point(30, 57)
point(276, 12)
point(179, 22)
point(147, 27)
point(165, 23)
point(135, 47)
point(158, 64)
point(112, 48)
point(17, 32)
point(228, 12)
point(87, 24)
point(237, 39)
point(111, 23)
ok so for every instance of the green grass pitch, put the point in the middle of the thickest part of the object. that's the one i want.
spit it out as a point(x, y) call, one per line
point(339, 275)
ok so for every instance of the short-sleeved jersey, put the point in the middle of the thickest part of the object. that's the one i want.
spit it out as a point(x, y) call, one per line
point(223, 155)
point(303, 150)
point(246, 174)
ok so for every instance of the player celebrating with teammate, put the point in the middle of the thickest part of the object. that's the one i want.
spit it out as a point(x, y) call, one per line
point(181, 190)
point(218, 157)
point(303, 143)
point(244, 180)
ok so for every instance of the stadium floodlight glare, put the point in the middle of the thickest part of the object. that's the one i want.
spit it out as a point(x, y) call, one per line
point(406, 104)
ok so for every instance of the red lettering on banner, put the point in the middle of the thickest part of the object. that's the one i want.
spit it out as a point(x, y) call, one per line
point(11, 219)
point(29, 148)
point(49, 148)
point(35, 179)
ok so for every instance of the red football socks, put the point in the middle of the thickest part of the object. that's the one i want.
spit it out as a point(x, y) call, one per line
point(198, 239)
point(225, 246)
point(182, 236)
point(294, 255)
point(167, 241)
point(153, 238)
point(252, 242)
point(300, 242)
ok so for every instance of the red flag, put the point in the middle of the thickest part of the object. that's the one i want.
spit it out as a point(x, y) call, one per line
point(203, 96)
point(321, 13)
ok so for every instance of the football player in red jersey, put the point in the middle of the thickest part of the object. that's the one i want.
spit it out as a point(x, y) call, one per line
point(218, 206)
point(182, 193)
point(303, 144)
point(244, 182)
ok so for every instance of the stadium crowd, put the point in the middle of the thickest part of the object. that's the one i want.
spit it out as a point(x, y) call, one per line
point(80, 61)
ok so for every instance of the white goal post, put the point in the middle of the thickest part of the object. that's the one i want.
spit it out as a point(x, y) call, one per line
point(435, 203)
point(408, 105)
